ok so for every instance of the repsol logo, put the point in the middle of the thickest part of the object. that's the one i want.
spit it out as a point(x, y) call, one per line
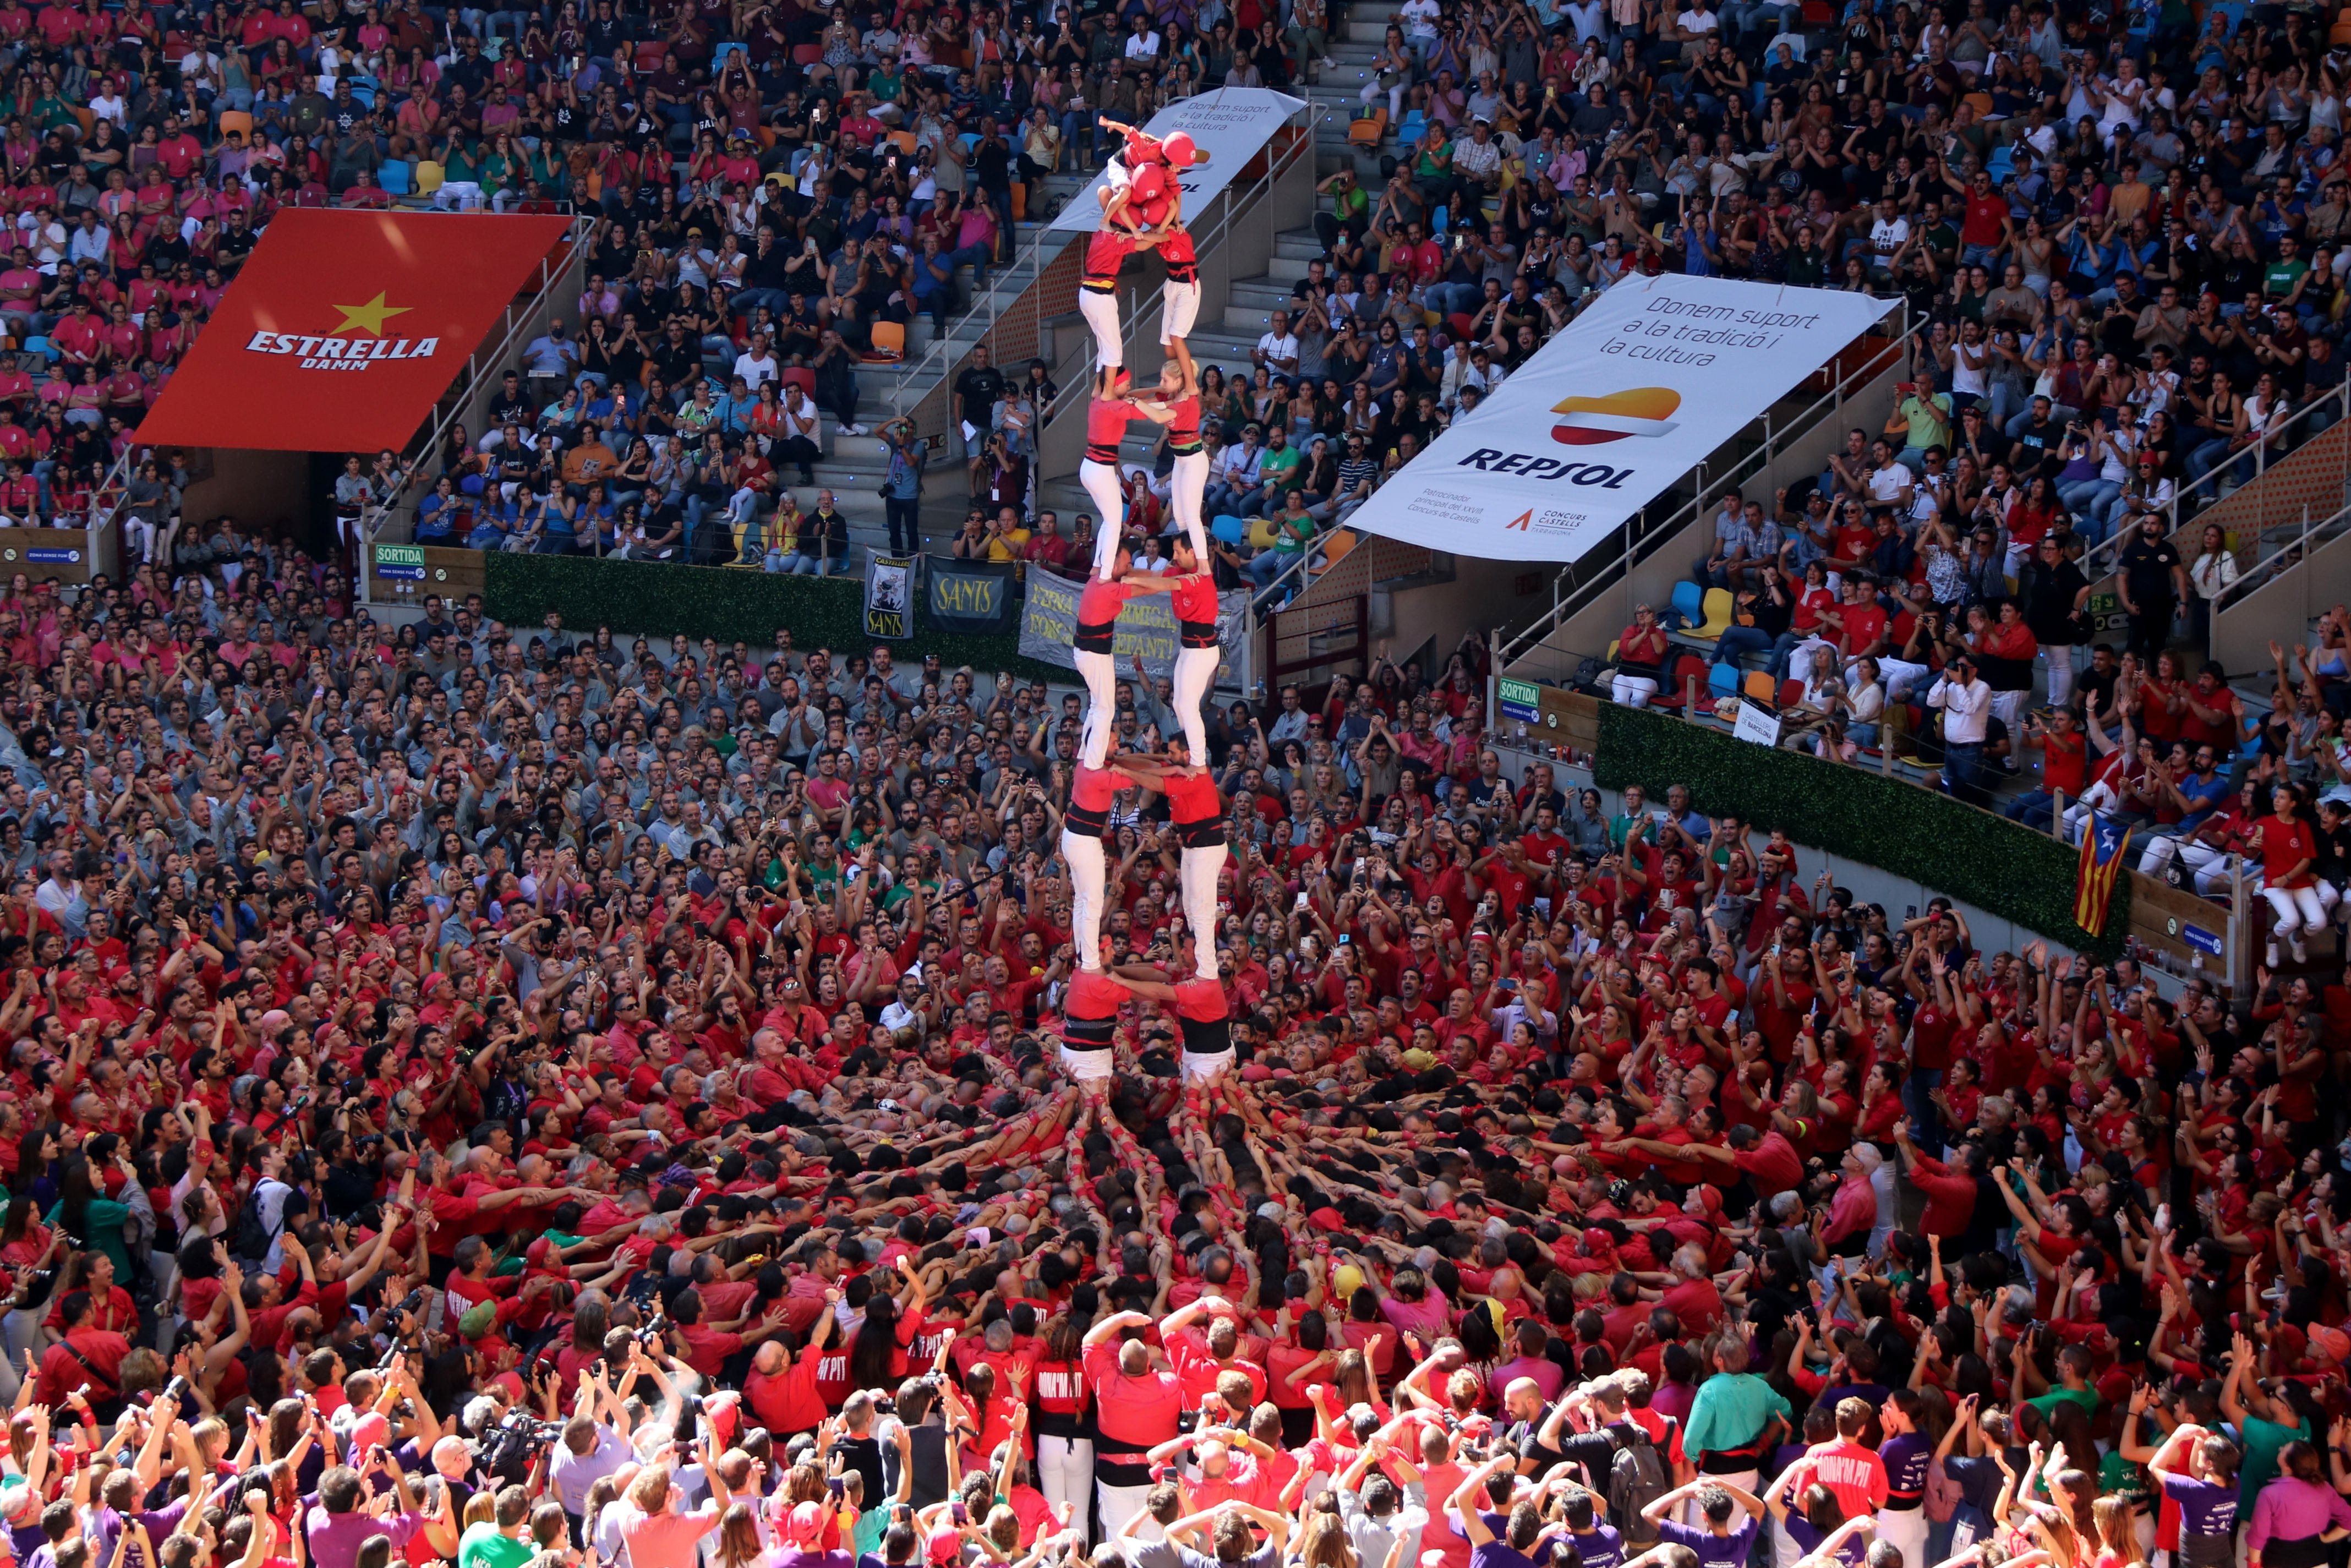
point(1526, 465)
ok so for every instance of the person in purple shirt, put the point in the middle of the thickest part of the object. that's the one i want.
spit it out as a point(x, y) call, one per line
point(335, 1521)
point(2293, 1512)
point(117, 1510)
point(1718, 1542)
point(2197, 1468)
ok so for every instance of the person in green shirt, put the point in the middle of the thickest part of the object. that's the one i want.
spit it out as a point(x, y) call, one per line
point(1923, 420)
point(2267, 1418)
point(499, 1542)
point(94, 1221)
point(1734, 1415)
point(1278, 468)
point(2073, 1383)
point(2279, 277)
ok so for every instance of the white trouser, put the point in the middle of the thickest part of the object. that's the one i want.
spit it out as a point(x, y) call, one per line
point(1631, 691)
point(1196, 672)
point(1101, 311)
point(2060, 675)
point(1904, 1528)
point(2008, 708)
point(1100, 672)
point(1089, 872)
point(1206, 1069)
point(2298, 908)
point(2209, 865)
point(1065, 1474)
point(1179, 307)
point(1101, 480)
point(1198, 875)
point(1089, 1067)
point(1119, 1504)
point(1189, 484)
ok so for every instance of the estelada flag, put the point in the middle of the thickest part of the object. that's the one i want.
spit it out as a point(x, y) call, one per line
point(2103, 848)
point(344, 327)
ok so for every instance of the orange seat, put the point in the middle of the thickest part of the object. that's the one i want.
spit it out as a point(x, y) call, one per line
point(1758, 686)
point(889, 344)
point(1338, 547)
point(905, 141)
point(238, 120)
point(1019, 201)
point(1370, 130)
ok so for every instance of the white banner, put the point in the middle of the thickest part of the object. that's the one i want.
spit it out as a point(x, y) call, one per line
point(1231, 125)
point(1652, 377)
point(889, 597)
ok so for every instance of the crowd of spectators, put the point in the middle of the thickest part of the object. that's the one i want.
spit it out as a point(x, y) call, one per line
point(525, 1098)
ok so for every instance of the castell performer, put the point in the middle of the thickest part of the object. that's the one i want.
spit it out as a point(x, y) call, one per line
point(1196, 807)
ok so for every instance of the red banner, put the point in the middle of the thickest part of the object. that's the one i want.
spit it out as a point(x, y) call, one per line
point(345, 328)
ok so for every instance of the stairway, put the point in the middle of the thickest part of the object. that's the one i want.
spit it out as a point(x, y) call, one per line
point(854, 467)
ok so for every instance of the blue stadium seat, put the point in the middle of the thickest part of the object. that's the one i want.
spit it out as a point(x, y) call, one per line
point(1689, 603)
point(1229, 530)
point(396, 177)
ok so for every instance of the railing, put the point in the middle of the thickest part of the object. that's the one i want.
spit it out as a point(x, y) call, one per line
point(2190, 499)
point(1569, 738)
point(1026, 266)
point(1571, 596)
point(492, 359)
point(117, 484)
point(2296, 548)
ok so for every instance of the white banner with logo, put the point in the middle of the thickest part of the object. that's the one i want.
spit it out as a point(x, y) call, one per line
point(1655, 375)
point(1231, 125)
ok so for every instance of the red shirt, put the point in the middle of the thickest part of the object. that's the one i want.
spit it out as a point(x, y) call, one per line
point(1135, 1412)
point(1986, 216)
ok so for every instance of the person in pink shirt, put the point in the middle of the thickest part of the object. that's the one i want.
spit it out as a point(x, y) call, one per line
point(664, 1535)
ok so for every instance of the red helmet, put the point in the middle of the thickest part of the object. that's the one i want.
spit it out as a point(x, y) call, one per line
point(1156, 211)
point(1181, 153)
point(1149, 184)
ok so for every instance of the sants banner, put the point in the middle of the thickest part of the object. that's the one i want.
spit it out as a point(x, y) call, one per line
point(1231, 125)
point(344, 327)
point(1656, 374)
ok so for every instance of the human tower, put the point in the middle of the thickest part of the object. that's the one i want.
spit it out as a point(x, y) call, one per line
point(1143, 210)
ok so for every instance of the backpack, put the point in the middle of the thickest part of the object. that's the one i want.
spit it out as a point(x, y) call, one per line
point(250, 1239)
point(1636, 1478)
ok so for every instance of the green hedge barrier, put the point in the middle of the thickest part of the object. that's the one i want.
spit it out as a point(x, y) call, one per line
point(656, 599)
point(1899, 828)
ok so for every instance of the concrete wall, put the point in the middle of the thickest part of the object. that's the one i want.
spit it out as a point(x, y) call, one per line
point(1482, 595)
point(2280, 608)
point(265, 492)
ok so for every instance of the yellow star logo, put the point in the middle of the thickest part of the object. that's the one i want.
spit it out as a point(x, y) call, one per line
point(369, 317)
